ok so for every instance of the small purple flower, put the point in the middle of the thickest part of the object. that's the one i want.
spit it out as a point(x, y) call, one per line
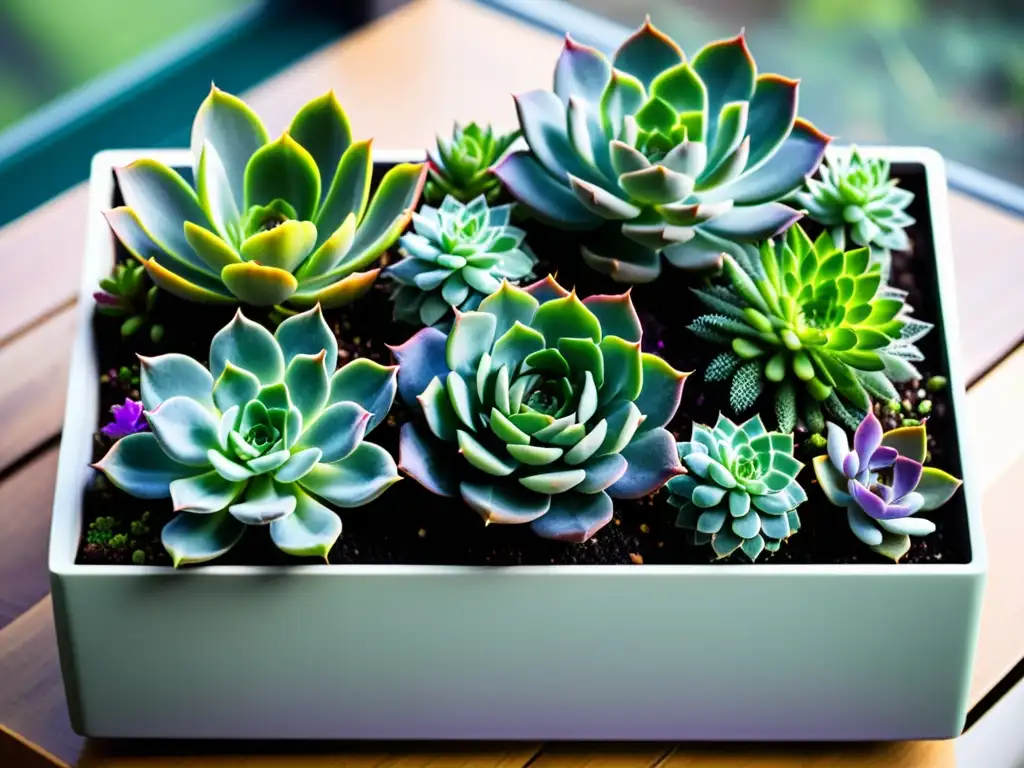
point(127, 420)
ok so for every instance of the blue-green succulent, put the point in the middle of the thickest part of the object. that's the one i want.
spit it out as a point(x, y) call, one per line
point(264, 436)
point(539, 408)
point(455, 256)
point(857, 200)
point(741, 491)
point(689, 159)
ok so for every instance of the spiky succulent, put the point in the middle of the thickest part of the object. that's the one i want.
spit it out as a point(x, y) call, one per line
point(855, 194)
point(539, 408)
point(688, 159)
point(883, 483)
point(461, 166)
point(261, 437)
point(741, 491)
point(269, 222)
point(815, 322)
point(457, 255)
point(125, 294)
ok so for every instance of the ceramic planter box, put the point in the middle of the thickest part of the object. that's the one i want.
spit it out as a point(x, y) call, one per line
point(562, 652)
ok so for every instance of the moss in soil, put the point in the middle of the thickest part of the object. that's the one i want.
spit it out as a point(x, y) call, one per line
point(408, 525)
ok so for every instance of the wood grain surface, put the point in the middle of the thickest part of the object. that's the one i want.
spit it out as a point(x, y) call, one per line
point(421, 52)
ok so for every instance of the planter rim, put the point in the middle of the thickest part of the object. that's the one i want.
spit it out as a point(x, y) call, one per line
point(75, 451)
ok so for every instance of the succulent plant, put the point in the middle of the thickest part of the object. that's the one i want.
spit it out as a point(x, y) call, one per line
point(269, 222)
point(261, 437)
point(689, 159)
point(883, 483)
point(124, 294)
point(855, 194)
point(127, 420)
point(539, 408)
point(814, 321)
point(457, 255)
point(461, 166)
point(741, 490)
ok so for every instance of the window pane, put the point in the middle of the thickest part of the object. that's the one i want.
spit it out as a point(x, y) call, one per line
point(51, 47)
point(942, 73)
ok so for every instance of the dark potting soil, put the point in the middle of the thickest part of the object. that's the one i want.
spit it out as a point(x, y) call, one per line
point(409, 525)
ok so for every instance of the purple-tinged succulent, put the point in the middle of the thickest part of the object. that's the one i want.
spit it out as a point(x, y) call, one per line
point(127, 420)
point(883, 483)
point(688, 159)
point(539, 408)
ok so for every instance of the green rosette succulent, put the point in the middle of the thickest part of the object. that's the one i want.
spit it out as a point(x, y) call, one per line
point(855, 194)
point(741, 491)
point(457, 255)
point(461, 166)
point(288, 222)
point(263, 437)
point(689, 159)
point(815, 322)
point(539, 408)
point(126, 294)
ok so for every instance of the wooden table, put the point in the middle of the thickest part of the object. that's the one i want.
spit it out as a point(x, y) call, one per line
point(402, 80)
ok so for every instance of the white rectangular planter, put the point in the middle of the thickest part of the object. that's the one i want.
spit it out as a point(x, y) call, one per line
point(548, 652)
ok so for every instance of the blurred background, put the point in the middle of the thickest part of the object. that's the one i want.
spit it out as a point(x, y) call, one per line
point(77, 76)
point(948, 74)
point(48, 48)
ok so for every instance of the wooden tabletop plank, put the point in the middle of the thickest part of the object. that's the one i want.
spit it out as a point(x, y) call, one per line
point(25, 501)
point(996, 424)
point(603, 755)
point(914, 754)
point(18, 752)
point(35, 378)
point(306, 755)
point(40, 261)
point(32, 700)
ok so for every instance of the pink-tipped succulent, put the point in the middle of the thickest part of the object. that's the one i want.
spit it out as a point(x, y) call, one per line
point(539, 408)
point(288, 223)
point(883, 483)
point(689, 159)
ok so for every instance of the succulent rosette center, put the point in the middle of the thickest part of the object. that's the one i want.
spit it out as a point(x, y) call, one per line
point(538, 408)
